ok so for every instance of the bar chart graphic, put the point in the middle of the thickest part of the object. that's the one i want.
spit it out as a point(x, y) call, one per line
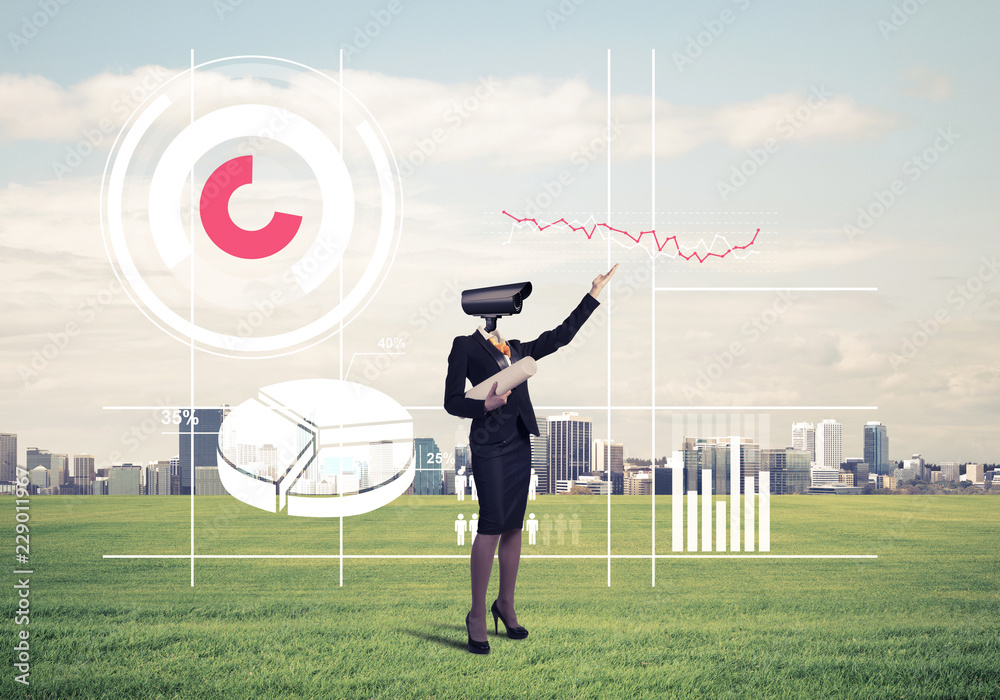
point(755, 533)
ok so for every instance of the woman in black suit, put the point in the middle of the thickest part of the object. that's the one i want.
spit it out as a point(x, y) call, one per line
point(501, 455)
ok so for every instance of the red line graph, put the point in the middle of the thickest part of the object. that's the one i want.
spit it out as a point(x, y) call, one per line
point(637, 238)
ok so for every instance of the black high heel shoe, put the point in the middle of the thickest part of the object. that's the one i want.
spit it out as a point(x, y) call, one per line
point(516, 632)
point(474, 646)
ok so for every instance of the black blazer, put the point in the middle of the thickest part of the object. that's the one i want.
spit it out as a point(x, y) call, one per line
point(476, 359)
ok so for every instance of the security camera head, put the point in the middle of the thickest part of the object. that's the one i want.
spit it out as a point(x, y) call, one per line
point(493, 302)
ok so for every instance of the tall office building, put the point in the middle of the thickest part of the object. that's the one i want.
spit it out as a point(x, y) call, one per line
point(207, 482)
point(428, 467)
point(877, 448)
point(609, 457)
point(858, 468)
point(570, 443)
point(124, 480)
point(8, 457)
point(540, 456)
point(205, 427)
point(158, 478)
point(60, 469)
point(804, 438)
point(35, 457)
point(716, 454)
point(828, 444)
point(84, 474)
point(919, 467)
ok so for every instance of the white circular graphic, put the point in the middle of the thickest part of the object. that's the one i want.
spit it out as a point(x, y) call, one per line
point(322, 447)
point(252, 206)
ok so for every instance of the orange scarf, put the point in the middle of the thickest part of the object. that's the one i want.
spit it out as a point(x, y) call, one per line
point(502, 347)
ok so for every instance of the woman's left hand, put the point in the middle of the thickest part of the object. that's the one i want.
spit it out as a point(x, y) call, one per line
point(600, 281)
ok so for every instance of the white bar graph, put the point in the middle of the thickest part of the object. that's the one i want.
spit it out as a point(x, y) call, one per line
point(706, 510)
point(692, 501)
point(734, 493)
point(720, 526)
point(677, 507)
point(764, 536)
point(748, 499)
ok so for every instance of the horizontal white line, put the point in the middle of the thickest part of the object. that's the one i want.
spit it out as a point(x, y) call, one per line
point(466, 556)
point(767, 289)
point(678, 408)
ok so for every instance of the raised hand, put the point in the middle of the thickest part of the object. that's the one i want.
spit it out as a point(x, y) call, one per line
point(598, 284)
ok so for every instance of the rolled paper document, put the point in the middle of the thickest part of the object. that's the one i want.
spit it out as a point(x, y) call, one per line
point(506, 379)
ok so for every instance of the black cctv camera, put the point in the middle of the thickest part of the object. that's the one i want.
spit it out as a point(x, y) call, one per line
point(493, 302)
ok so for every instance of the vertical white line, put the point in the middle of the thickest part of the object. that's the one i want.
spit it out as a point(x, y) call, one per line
point(652, 296)
point(734, 493)
point(720, 526)
point(748, 499)
point(706, 510)
point(692, 504)
point(765, 512)
point(677, 505)
point(609, 307)
point(340, 334)
point(191, 423)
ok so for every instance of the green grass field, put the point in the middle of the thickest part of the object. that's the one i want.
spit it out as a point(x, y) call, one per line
point(921, 621)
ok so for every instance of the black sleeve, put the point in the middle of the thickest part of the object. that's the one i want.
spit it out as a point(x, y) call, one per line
point(550, 341)
point(455, 402)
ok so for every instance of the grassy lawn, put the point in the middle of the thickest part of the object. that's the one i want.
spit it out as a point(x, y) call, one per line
point(921, 621)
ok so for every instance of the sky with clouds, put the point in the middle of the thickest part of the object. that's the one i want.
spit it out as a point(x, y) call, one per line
point(859, 137)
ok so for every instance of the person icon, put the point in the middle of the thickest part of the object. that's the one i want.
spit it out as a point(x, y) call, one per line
point(575, 525)
point(472, 484)
point(460, 527)
point(460, 483)
point(532, 485)
point(561, 529)
point(546, 527)
point(532, 526)
point(474, 527)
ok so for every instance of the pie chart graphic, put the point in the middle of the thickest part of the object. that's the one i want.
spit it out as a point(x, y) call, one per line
point(321, 448)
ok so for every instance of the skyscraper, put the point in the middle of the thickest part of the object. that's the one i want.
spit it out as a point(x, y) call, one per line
point(206, 425)
point(570, 442)
point(540, 456)
point(35, 457)
point(877, 448)
point(83, 474)
point(828, 444)
point(804, 438)
point(609, 457)
point(428, 464)
point(8, 457)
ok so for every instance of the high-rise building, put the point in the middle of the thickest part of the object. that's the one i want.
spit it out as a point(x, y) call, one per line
point(917, 465)
point(60, 469)
point(877, 448)
point(124, 480)
point(609, 457)
point(8, 457)
point(570, 438)
point(804, 438)
point(950, 471)
point(828, 444)
point(207, 482)
point(858, 468)
point(205, 441)
point(84, 474)
point(428, 463)
point(540, 456)
point(974, 473)
point(35, 457)
point(158, 478)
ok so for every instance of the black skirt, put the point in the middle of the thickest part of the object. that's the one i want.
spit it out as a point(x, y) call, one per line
point(502, 472)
